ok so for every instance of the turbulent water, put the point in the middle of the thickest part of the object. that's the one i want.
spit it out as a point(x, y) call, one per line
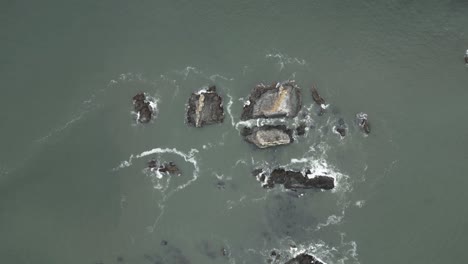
point(74, 182)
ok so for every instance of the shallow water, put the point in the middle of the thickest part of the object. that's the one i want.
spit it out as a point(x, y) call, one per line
point(73, 183)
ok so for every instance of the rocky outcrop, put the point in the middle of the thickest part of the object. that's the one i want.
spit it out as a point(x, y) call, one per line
point(318, 100)
point(276, 100)
point(294, 179)
point(142, 107)
point(167, 167)
point(205, 108)
point(363, 122)
point(268, 136)
point(304, 259)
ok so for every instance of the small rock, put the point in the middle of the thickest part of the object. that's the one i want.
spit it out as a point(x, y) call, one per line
point(301, 129)
point(363, 122)
point(318, 100)
point(297, 180)
point(466, 56)
point(164, 242)
point(143, 107)
point(340, 127)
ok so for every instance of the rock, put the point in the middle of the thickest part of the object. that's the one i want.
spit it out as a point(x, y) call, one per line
point(143, 107)
point(304, 259)
point(466, 56)
point(318, 100)
point(268, 136)
point(340, 127)
point(205, 108)
point(301, 129)
point(363, 122)
point(295, 180)
point(170, 168)
point(276, 100)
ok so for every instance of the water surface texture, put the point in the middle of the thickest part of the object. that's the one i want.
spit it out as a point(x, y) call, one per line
point(73, 184)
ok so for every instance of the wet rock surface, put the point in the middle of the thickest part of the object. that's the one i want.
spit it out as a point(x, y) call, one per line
point(294, 179)
point(276, 100)
point(205, 108)
point(304, 259)
point(363, 122)
point(268, 136)
point(142, 106)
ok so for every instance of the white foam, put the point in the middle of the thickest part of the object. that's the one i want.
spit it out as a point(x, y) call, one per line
point(228, 109)
point(360, 203)
point(284, 59)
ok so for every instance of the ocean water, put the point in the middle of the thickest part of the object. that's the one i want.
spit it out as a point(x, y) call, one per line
point(74, 187)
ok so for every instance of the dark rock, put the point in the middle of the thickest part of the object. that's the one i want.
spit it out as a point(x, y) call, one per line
point(170, 168)
point(205, 108)
point(363, 122)
point(143, 107)
point(276, 100)
point(152, 164)
point(340, 127)
point(304, 259)
point(224, 252)
point(318, 100)
point(297, 180)
point(164, 242)
point(301, 129)
point(268, 136)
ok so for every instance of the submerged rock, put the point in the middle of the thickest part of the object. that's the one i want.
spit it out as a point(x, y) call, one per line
point(301, 129)
point(268, 136)
point(143, 108)
point(294, 179)
point(318, 100)
point(276, 100)
point(304, 259)
point(205, 108)
point(340, 127)
point(363, 122)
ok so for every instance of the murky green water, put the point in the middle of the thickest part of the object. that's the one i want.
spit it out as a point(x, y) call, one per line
point(73, 184)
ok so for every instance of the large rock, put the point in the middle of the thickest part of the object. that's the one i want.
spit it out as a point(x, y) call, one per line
point(268, 136)
point(276, 100)
point(205, 108)
point(294, 179)
point(304, 259)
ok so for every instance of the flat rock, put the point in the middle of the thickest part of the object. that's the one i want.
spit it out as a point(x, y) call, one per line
point(294, 179)
point(273, 101)
point(304, 259)
point(205, 108)
point(268, 136)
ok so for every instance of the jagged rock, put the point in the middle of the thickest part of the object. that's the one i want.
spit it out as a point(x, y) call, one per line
point(294, 179)
point(276, 100)
point(340, 127)
point(318, 100)
point(268, 136)
point(143, 107)
point(205, 108)
point(363, 122)
point(304, 259)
